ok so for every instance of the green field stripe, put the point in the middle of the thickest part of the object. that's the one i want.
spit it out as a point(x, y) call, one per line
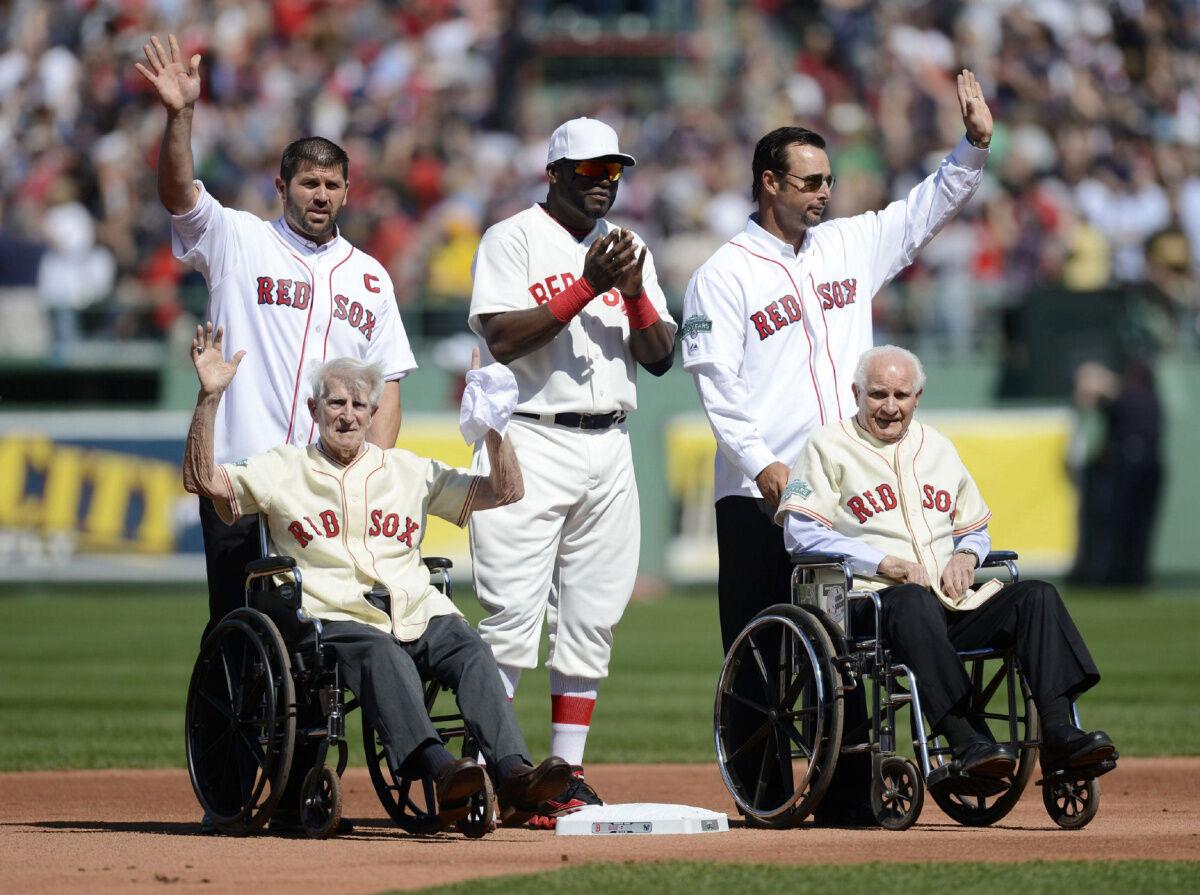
point(694, 878)
point(98, 679)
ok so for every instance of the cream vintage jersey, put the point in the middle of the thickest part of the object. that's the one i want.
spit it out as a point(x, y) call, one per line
point(350, 527)
point(524, 261)
point(291, 304)
point(786, 328)
point(908, 499)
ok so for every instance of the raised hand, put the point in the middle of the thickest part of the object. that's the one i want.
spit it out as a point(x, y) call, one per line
point(178, 85)
point(214, 372)
point(977, 117)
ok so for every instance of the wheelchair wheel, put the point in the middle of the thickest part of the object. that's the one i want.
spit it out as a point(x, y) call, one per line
point(778, 716)
point(240, 722)
point(482, 818)
point(410, 802)
point(987, 807)
point(897, 793)
point(321, 802)
point(1071, 803)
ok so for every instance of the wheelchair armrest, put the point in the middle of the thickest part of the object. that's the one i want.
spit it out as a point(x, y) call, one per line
point(434, 563)
point(998, 557)
point(818, 559)
point(270, 565)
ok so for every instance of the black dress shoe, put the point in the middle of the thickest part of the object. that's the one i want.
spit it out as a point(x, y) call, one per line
point(977, 760)
point(1069, 748)
point(520, 793)
point(455, 785)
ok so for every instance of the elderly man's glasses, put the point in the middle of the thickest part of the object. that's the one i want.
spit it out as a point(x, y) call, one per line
point(812, 182)
point(600, 170)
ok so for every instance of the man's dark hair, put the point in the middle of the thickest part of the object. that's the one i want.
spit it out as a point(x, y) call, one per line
point(316, 151)
point(771, 152)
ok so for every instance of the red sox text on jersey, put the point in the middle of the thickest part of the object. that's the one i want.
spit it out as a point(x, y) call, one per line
point(297, 294)
point(544, 290)
point(385, 524)
point(882, 498)
point(771, 319)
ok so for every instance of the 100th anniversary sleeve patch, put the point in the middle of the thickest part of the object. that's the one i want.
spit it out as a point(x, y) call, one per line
point(695, 324)
point(799, 488)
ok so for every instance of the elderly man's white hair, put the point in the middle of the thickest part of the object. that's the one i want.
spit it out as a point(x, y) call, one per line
point(359, 374)
point(864, 363)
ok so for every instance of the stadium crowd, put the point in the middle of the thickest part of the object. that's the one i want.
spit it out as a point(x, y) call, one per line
point(444, 108)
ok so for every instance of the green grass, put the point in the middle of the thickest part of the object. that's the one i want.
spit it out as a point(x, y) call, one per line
point(98, 679)
point(1094, 877)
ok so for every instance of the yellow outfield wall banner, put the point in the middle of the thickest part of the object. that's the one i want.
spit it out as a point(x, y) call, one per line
point(1017, 457)
point(97, 496)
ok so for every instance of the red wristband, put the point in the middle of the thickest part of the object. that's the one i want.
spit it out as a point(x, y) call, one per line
point(641, 311)
point(571, 300)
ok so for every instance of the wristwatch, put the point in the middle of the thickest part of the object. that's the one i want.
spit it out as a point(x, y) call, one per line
point(979, 145)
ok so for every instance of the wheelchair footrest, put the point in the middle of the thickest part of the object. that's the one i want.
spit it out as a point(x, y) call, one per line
point(958, 783)
point(1078, 774)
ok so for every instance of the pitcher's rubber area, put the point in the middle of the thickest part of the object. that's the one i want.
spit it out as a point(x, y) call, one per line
point(117, 831)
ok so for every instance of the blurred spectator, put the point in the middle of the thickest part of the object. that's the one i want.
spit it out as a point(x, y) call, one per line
point(74, 273)
point(1117, 459)
point(443, 104)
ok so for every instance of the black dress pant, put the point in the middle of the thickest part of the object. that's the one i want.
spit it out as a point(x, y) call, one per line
point(227, 550)
point(1027, 615)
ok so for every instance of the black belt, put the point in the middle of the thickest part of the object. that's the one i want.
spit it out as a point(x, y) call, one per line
point(580, 420)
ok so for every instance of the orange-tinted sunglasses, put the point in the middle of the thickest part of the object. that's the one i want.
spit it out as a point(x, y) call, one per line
point(600, 170)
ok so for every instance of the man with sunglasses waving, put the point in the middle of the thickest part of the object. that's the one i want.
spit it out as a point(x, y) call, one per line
point(774, 323)
point(572, 305)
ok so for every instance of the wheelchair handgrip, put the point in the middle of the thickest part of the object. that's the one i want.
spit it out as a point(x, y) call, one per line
point(269, 564)
point(437, 562)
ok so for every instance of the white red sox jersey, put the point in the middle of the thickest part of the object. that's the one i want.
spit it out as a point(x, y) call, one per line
point(776, 333)
point(290, 304)
point(909, 499)
point(349, 527)
point(524, 261)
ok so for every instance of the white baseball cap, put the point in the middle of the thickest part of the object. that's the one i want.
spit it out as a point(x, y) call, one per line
point(585, 138)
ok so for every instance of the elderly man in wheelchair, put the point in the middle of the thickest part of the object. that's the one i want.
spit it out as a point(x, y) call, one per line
point(352, 516)
point(886, 502)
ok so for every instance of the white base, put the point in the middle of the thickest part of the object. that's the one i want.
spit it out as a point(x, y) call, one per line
point(641, 819)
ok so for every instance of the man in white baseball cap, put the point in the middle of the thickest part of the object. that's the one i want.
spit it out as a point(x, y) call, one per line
point(571, 304)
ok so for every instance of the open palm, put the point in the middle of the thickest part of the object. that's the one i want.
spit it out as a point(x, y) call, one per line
point(215, 373)
point(178, 85)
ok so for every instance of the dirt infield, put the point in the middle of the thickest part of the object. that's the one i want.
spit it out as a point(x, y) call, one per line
point(116, 831)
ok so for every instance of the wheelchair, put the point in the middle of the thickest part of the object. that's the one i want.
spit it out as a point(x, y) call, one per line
point(265, 707)
point(783, 715)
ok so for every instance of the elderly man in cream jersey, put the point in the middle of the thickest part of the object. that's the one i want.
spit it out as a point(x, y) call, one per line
point(353, 516)
point(893, 496)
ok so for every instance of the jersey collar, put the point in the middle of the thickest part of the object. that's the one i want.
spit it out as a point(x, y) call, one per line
point(772, 244)
point(307, 246)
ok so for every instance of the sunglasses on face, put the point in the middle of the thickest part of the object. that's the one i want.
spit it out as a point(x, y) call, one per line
point(600, 170)
point(812, 182)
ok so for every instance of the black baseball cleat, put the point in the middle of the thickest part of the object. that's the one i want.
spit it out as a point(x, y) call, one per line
point(520, 793)
point(455, 785)
point(977, 761)
point(1068, 749)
